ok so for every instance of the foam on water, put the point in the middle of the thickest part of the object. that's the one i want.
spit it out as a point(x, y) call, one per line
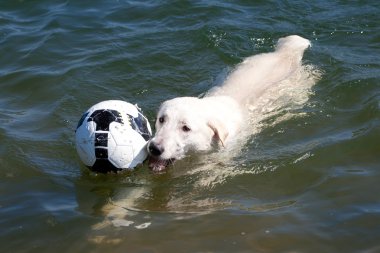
point(284, 100)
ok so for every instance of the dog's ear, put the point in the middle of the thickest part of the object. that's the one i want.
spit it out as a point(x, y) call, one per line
point(220, 131)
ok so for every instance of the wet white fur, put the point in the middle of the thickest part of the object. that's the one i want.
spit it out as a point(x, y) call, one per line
point(219, 116)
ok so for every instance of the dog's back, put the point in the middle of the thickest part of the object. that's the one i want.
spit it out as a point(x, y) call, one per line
point(195, 124)
point(257, 73)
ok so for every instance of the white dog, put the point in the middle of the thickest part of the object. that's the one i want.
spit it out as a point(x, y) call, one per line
point(197, 124)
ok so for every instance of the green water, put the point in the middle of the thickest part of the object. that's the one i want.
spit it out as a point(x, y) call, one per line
point(306, 183)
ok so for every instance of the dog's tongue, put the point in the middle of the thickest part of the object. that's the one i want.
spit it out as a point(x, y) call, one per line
point(157, 164)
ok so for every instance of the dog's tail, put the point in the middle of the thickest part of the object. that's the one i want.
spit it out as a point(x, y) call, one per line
point(257, 73)
point(293, 44)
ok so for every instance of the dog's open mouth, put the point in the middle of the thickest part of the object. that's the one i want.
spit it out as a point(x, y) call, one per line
point(156, 164)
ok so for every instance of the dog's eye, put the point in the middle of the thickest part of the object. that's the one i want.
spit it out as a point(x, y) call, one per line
point(161, 120)
point(186, 129)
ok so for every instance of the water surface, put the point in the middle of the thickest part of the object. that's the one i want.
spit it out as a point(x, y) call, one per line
point(306, 181)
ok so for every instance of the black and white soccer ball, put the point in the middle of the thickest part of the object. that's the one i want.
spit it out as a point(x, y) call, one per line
point(112, 136)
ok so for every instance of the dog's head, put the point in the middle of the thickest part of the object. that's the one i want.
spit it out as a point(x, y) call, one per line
point(182, 125)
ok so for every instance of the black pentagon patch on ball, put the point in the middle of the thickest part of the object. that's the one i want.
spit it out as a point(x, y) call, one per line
point(104, 117)
point(140, 125)
point(101, 139)
point(81, 120)
point(104, 166)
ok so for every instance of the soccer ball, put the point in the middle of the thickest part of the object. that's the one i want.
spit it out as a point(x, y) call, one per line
point(112, 136)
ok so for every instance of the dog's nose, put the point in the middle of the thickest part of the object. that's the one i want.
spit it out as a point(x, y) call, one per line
point(154, 149)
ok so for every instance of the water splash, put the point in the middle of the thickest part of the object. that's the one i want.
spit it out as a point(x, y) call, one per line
point(283, 101)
